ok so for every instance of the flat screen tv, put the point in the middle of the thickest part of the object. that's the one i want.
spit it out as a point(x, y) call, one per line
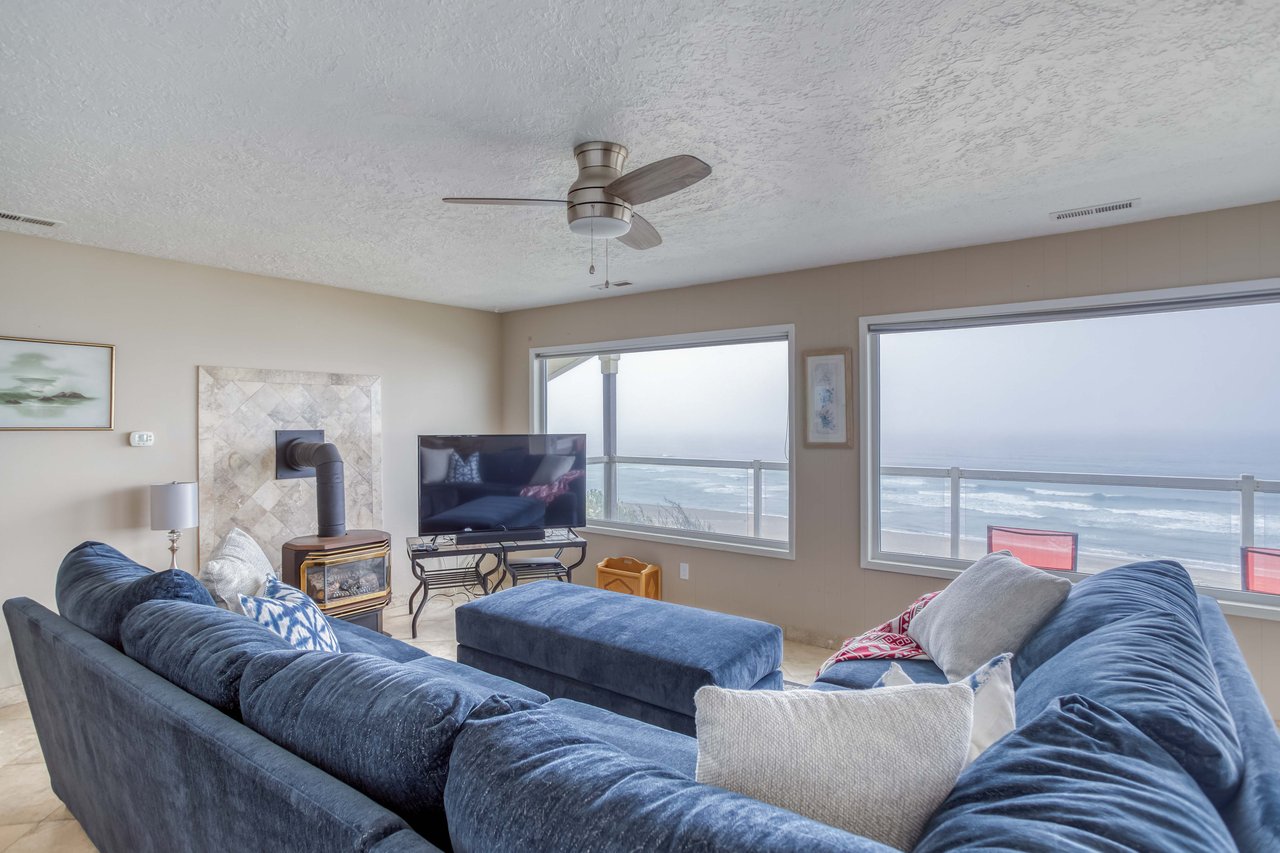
point(481, 483)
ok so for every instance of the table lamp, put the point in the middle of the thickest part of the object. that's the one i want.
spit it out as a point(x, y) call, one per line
point(175, 507)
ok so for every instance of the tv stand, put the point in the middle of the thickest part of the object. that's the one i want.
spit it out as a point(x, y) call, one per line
point(424, 551)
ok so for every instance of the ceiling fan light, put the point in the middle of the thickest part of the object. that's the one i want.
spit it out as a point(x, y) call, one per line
point(604, 227)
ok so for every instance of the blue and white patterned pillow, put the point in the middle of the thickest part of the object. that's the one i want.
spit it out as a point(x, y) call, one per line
point(463, 469)
point(292, 614)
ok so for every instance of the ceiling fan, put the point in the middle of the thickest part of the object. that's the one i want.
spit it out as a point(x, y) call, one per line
point(600, 202)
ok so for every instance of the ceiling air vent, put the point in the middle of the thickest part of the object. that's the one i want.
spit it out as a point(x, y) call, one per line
point(10, 216)
point(1109, 207)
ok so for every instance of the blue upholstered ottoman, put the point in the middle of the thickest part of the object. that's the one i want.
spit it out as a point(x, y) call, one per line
point(631, 655)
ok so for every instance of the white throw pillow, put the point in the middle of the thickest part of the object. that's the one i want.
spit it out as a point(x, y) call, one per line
point(873, 762)
point(237, 567)
point(993, 607)
point(435, 464)
point(551, 468)
point(994, 709)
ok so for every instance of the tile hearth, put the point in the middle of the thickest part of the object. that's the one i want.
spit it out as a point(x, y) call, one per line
point(34, 820)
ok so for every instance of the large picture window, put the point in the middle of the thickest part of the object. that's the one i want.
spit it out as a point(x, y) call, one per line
point(688, 437)
point(1082, 434)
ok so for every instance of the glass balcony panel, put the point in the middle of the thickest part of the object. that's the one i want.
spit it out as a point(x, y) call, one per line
point(709, 500)
point(1116, 524)
point(915, 517)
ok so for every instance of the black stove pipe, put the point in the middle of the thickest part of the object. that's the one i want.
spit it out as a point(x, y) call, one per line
point(331, 513)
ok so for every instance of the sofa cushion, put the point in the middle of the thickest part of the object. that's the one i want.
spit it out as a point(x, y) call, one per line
point(654, 651)
point(1154, 670)
point(1160, 586)
point(862, 674)
point(204, 650)
point(1253, 815)
point(640, 740)
point(1078, 777)
point(532, 781)
point(384, 728)
point(484, 684)
point(993, 607)
point(361, 640)
point(97, 586)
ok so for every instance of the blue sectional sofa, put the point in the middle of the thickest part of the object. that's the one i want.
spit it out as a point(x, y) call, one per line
point(168, 724)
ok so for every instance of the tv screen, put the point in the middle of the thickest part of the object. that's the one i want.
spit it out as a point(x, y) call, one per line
point(501, 482)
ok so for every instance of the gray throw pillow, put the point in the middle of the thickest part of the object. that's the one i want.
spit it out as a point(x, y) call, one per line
point(872, 762)
point(992, 608)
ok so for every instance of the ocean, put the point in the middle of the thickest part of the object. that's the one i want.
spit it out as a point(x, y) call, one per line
point(1115, 524)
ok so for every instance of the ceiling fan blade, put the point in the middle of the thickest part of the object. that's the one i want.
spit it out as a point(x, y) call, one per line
point(619, 284)
point(642, 235)
point(523, 202)
point(658, 179)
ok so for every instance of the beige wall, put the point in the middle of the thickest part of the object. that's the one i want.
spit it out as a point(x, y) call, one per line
point(824, 594)
point(439, 369)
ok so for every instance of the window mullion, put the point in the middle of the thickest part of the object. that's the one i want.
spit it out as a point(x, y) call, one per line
point(609, 376)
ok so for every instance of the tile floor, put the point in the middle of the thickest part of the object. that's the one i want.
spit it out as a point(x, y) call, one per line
point(33, 819)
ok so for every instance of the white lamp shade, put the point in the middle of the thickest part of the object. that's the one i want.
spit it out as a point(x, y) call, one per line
point(175, 506)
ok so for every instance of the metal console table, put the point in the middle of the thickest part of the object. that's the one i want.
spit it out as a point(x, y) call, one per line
point(507, 564)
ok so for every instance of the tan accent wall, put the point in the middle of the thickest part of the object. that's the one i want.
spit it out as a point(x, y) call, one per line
point(439, 369)
point(824, 595)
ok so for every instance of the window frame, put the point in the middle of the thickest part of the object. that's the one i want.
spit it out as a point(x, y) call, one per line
point(692, 539)
point(1254, 291)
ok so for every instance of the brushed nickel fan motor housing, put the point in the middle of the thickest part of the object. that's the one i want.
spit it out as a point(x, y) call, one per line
point(591, 210)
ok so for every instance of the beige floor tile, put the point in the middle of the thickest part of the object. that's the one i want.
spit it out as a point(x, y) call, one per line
point(61, 813)
point(11, 833)
point(25, 795)
point(17, 739)
point(54, 836)
point(31, 756)
point(16, 710)
point(12, 695)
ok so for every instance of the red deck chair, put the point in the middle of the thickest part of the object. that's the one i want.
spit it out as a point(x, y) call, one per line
point(1052, 550)
point(1260, 570)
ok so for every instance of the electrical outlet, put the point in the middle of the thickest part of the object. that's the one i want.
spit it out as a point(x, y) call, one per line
point(142, 439)
point(684, 571)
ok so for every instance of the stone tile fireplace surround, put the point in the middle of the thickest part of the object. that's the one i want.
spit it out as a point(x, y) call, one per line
point(239, 411)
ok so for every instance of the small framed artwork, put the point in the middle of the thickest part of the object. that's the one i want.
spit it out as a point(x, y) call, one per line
point(56, 384)
point(828, 397)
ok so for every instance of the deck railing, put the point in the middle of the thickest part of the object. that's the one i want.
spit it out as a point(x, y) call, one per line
point(757, 467)
point(1246, 485)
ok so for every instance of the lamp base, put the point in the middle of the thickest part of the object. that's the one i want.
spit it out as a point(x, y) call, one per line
point(174, 536)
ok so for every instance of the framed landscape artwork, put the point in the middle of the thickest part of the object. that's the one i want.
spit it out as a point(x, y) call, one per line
point(828, 398)
point(56, 385)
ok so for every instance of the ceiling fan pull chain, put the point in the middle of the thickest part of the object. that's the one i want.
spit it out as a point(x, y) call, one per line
point(591, 270)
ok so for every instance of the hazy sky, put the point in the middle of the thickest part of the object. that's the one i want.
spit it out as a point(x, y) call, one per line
point(1196, 386)
point(1184, 392)
point(726, 402)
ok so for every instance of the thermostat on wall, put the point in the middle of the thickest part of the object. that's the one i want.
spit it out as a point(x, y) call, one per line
point(142, 439)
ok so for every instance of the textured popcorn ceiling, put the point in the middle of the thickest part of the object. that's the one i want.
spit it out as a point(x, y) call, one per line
point(313, 139)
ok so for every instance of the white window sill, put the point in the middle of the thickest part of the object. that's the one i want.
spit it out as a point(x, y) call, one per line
point(781, 551)
point(1232, 603)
